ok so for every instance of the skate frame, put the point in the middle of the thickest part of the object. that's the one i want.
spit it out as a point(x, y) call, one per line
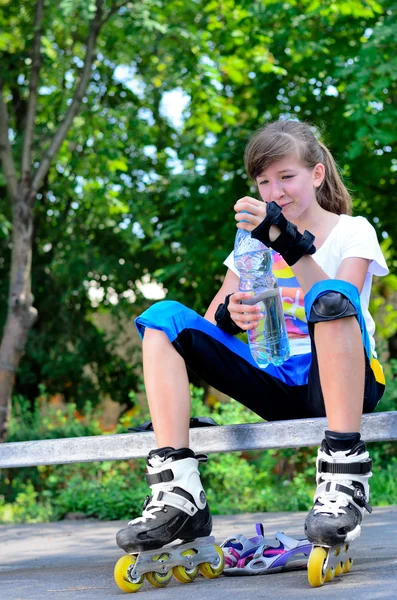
point(151, 560)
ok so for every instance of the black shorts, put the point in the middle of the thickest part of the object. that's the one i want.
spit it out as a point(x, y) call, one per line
point(290, 391)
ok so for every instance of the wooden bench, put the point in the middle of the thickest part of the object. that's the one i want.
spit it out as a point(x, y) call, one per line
point(376, 427)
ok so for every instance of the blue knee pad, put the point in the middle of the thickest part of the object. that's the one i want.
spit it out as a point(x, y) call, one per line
point(331, 306)
point(336, 299)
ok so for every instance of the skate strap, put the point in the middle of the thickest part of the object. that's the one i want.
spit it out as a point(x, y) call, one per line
point(354, 468)
point(161, 477)
point(286, 540)
point(355, 493)
point(175, 500)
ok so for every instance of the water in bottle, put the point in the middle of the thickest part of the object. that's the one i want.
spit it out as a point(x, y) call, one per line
point(268, 341)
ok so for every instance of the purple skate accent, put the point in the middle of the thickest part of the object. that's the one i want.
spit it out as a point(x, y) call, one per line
point(274, 551)
point(286, 555)
point(236, 545)
point(259, 530)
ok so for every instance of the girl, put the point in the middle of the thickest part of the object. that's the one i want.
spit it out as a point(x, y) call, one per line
point(324, 260)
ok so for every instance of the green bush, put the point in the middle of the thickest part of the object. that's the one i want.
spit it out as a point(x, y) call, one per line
point(273, 480)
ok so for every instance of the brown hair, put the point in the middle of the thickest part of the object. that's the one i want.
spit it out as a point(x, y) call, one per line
point(282, 138)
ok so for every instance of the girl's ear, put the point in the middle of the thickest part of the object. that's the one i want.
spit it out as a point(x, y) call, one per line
point(318, 174)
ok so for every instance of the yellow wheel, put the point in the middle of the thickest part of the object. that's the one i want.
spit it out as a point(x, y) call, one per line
point(211, 570)
point(330, 574)
point(348, 565)
point(339, 569)
point(120, 575)
point(186, 575)
point(315, 567)
point(159, 580)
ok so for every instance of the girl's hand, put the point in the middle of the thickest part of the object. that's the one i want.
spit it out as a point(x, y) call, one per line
point(244, 315)
point(256, 208)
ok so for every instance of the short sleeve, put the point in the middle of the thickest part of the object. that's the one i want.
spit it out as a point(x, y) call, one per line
point(229, 262)
point(360, 241)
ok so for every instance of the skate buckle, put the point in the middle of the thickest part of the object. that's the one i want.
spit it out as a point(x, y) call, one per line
point(360, 499)
point(146, 502)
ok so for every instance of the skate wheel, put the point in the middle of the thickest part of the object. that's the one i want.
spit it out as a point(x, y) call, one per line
point(330, 574)
point(339, 569)
point(184, 575)
point(211, 570)
point(159, 580)
point(348, 565)
point(156, 579)
point(315, 567)
point(121, 575)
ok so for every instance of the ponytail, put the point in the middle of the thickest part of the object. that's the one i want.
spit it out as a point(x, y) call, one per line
point(332, 195)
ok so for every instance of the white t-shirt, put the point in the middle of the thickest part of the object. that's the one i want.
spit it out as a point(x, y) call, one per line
point(352, 237)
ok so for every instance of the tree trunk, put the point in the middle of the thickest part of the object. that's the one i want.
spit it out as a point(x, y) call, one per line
point(21, 314)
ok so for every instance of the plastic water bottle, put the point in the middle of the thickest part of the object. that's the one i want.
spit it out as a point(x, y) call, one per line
point(268, 341)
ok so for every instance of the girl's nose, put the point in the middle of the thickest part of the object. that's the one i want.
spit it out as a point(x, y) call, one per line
point(276, 192)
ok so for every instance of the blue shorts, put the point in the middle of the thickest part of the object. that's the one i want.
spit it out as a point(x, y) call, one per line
point(290, 391)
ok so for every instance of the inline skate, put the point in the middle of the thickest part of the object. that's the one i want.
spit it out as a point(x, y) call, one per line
point(172, 537)
point(340, 500)
point(257, 555)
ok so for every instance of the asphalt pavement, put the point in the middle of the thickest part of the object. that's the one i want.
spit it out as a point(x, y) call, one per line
point(75, 560)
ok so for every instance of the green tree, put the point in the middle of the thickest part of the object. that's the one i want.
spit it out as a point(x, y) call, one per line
point(130, 193)
point(47, 54)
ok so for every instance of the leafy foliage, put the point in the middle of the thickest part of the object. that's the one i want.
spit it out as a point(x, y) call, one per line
point(134, 193)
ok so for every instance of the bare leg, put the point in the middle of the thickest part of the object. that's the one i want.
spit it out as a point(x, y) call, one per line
point(341, 365)
point(167, 389)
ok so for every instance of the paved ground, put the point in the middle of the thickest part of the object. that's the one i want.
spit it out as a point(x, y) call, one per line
point(75, 559)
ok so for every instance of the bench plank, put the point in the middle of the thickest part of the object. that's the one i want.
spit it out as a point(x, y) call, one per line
point(228, 438)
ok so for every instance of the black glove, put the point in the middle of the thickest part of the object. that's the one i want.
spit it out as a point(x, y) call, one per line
point(223, 319)
point(291, 244)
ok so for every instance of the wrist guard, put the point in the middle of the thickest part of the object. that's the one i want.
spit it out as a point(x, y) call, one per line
point(223, 319)
point(291, 244)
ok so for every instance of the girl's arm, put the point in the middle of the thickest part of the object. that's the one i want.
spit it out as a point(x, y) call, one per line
point(229, 286)
point(308, 272)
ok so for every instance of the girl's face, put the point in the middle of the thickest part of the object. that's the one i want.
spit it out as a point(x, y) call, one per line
point(292, 186)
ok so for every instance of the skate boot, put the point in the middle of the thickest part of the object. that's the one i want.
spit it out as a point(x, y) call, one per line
point(340, 500)
point(172, 537)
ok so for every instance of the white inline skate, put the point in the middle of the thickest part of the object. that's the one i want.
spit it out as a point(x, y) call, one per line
point(340, 500)
point(172, 537)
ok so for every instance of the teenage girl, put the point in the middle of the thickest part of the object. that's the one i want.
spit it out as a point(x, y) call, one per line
point(324, 260)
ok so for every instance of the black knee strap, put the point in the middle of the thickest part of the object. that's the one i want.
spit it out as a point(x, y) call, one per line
point(331, 306)
point(291, 244)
